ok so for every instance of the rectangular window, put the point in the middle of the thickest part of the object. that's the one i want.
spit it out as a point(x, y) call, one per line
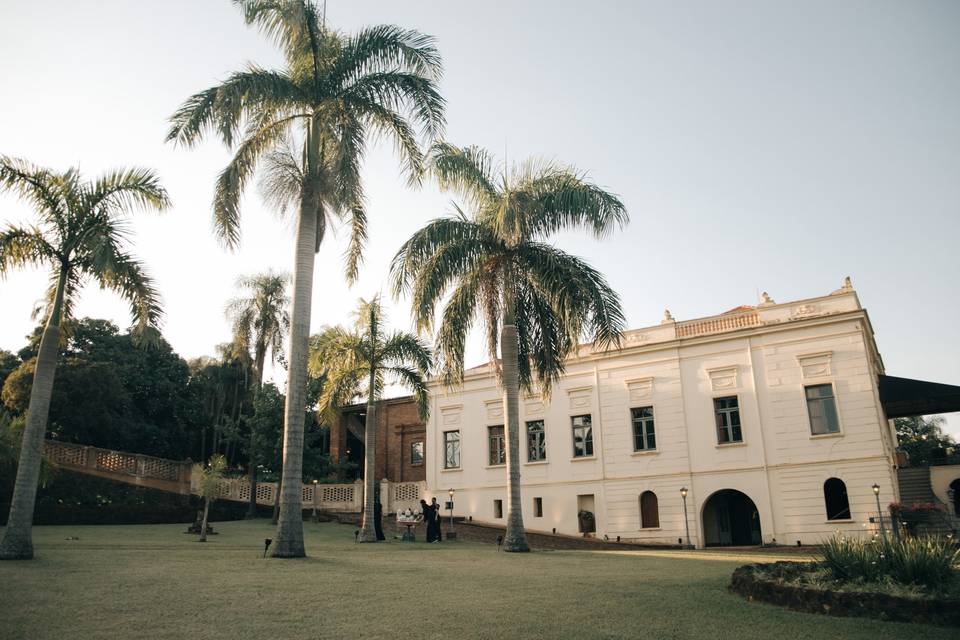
point(582, 436)
point(822, 408)
point(416, 452)
point(451, 449)
point(644, 438)
point(495, 438)
point(728, 419)
point(538, 507)
point(498, 509)
point(536, 441)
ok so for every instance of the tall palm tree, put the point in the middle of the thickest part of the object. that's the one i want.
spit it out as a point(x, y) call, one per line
point(261, 320)
point(313, 117)
point(535, 300)
point(360, 363)
point(81, 236)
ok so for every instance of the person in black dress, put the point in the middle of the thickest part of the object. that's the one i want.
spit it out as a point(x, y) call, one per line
point(437, 517)
point(377, 519)
point(428, 520)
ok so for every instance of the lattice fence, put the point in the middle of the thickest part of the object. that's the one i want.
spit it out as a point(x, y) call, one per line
point(117, 462)
point(65, 454)
point(406, 491)
point(337, 493)
point(243, 491)
point(307, 494)
point(264, 492)
point(162, 469)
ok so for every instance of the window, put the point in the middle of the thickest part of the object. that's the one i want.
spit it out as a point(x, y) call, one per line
point(582, 436)
point(536, 441)
point(495, 439)
point(822, 408)
point(498, 509)
point(643, 435)
point(538, 507)
point(416, 452)
point(728, 419)
point(649, 510)
point(451, 449)
point(835, 497)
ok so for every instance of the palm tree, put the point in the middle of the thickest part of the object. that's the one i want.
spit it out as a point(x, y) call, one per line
point(260, 323)
point(210, 477)
point(535, 300)
point(81, 236)
point(360, 363)
point(313, 118)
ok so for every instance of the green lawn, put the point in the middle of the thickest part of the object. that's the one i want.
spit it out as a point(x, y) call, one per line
point(155, 582)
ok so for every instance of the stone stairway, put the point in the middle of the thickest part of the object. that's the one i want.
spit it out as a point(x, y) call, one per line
point(915, 488)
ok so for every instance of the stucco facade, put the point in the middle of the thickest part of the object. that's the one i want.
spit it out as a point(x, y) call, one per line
point(760, 361)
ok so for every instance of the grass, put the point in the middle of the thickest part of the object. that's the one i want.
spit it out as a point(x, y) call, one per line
point(152, 581)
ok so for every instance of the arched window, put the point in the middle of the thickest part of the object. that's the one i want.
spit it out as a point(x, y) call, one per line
point(835, 497)
point(649, 510)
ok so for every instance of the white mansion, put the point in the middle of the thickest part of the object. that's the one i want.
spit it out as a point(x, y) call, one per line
point(765, 422)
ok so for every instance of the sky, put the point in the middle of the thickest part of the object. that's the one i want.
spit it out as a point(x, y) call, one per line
point(758, 145)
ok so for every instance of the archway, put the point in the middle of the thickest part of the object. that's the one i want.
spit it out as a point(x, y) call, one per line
point(730, 519)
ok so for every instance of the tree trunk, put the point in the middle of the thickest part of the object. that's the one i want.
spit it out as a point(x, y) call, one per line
point(252, 507)
point(203, 525)
point(252, 458)
point(368, 532)
point(288, 540)
point(275, 518)
point(18, 537)
point(515, 538)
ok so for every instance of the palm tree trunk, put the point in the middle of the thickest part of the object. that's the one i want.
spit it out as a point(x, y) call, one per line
point(252, 506)
point(252, 459)
point(368, 532)
point(203, 525)
point(275, 518)
point(288, 540)
point(515, 538)
point(18, 539)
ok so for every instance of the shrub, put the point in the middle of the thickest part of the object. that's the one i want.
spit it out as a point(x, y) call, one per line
point(927, 562)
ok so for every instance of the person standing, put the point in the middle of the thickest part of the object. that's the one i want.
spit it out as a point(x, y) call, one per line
point(428, 520)
point(438, 517)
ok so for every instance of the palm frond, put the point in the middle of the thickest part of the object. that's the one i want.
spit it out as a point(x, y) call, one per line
point(123, 190)
point(468, 171)
point(24, 246)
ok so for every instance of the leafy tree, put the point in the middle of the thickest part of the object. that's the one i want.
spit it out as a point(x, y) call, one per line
point(360, 363)
point(261, 320)
point(81, 237)
point(210, 477)
point(490, 261)
point(265, 443)
point(8, 362)
point(923, 438)
point(310, 121)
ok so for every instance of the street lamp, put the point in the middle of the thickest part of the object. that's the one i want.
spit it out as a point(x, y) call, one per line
point(451, 534)
point(686, 522)
point(876, 493)
point(315, 500)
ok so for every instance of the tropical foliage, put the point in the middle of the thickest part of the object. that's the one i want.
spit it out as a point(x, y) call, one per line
point(929, 562)
point(923, 439)
point(81, 236)
point(306, 126)
point(490, 264)
point(210, 477)
point(360, 363)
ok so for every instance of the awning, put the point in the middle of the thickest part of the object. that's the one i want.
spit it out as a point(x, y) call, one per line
point(906, 398)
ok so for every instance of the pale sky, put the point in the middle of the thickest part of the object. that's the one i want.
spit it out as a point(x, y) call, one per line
point(759, 146)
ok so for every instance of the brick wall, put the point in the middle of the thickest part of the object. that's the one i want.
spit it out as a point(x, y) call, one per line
point(398, 427)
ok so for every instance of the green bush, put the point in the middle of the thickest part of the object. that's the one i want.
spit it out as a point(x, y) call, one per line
point(929, 562)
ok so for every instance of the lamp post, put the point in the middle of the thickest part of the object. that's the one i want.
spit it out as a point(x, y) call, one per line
point(876, 493)
point(451, 534)
point(686, 521)
point(315, 500)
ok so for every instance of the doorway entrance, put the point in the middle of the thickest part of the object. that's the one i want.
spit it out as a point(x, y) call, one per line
point(731, 519)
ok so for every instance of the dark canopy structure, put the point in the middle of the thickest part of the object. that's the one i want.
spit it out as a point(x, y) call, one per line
point(905, 398)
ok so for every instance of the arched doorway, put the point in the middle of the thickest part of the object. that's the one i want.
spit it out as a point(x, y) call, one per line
point(730, 519)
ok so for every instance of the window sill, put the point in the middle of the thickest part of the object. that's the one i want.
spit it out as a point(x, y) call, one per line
point(451, 470)
point(579, 458)
point(642, 529)
point(536, 462)
point(645, 452)
point(820, 436)
point(730, 445)
point(496, 466)
point(843, 521)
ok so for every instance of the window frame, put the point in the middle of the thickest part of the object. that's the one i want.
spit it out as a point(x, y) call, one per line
point(543, 439)
point(729, 427)
point(537, 507)
point(846, 496)
point(498, 509)
point(490, 447)
point(586, 440)
point(836, 408)
point(646, 420)
point(656, 502)
point(446, 449)
point(413, 461)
